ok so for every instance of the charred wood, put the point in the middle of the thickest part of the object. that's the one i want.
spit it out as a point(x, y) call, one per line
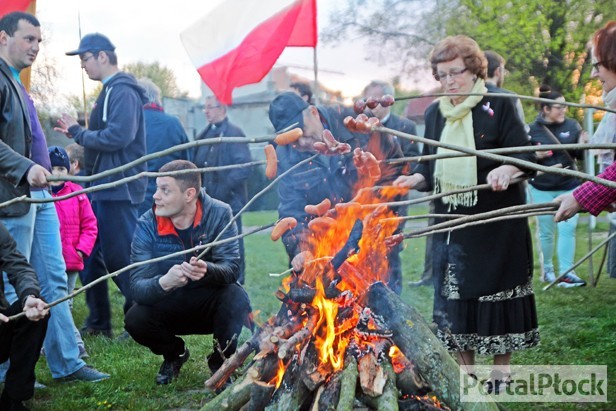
point(417, 404)
point(289, 346)
point(413, 336)
point(330, 394)
point(312, 372)
point(292, 393)
point(234, 397)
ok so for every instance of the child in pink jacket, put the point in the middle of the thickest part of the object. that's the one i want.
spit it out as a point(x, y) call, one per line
point(78, 228)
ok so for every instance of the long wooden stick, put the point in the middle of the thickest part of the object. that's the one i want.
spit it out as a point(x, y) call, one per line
point(499, 158)
point(505, 150)
point(256, 196)
point(510, 95)
point(574, 266)
point(112, 184)
point(145, 262)
point(483, 216)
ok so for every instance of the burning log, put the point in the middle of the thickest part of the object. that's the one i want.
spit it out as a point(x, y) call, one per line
point(372, 378)
point(289, 345)
point(348, 382)
point(312, 373)
point(292, 392)
point(413, 336)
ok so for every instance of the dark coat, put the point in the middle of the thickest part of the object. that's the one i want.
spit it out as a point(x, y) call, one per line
point(162, 132)
point(395, 122)
point(15, 144)
point(156, 237)
point(228, 186)
point(567, 132)
point(330, 177)
point(116, 136)
point(486, 258)
point(20, 273)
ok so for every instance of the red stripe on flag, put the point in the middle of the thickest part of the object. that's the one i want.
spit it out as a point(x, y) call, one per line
point(250, 61)
point(7, 6)
point(305, 30)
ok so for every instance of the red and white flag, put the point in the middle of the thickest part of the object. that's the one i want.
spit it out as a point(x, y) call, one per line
point(7, 6)
point(240, 40)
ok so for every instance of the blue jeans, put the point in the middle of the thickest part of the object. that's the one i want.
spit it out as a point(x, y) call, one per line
point(116, 225)
point(565, 246)
point(38, 238)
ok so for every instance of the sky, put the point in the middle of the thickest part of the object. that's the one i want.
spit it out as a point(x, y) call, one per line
point(148, 31)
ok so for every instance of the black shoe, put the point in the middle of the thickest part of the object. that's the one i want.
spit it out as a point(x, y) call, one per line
point(171, 368)
point(94, 332)
point(9, 404)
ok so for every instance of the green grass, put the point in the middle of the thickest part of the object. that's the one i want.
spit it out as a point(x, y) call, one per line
point(578, 326)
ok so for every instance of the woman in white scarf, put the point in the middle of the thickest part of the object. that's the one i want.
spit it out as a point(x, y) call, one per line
point(483, 301)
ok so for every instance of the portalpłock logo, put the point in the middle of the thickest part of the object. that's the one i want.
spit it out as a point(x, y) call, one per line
point(535, 383)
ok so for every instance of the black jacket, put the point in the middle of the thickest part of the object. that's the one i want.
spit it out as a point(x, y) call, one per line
point(15, 144)
point(20, 273)
point(395, 122)
point(156, 237)
point(567, 132)
point(228, 186)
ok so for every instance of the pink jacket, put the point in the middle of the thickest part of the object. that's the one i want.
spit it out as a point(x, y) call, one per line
point(78, 227)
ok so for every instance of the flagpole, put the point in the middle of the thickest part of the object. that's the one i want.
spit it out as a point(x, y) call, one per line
point(26, 73)
point(83, 81)
point(316, 75)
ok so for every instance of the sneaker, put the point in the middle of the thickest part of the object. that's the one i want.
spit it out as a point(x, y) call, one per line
point(548, 275)
point(39, 386)
point(571, 280)
point(86, 374)
point(170, 369)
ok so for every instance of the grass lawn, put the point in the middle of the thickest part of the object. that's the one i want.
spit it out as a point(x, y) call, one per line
point(577, 327)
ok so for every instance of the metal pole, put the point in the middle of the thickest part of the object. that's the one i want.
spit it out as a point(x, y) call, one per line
point(590, 169)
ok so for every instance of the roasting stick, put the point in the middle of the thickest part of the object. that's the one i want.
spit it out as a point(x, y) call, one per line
point(483, 216)
point(316, 260)
point(499, 158)
point(105, 186)
point(256, 196)
point(574, 266)
point(510, 95)
point(140, 263)
point(179, 147)
point(506, 150)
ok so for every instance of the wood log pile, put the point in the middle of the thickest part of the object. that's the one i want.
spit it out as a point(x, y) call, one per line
point(341, 339)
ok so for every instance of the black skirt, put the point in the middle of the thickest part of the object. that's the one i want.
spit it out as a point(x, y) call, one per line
point(489, 325)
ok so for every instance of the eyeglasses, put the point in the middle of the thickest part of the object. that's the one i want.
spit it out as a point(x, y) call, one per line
point(595, 66)
point(558, 106)
point(453, 73)
point(85, 60)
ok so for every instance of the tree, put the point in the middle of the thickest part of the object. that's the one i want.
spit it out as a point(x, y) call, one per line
point(542, 41)
point(162, 76)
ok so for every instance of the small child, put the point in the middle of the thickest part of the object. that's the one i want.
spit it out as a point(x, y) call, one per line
point(78, 228)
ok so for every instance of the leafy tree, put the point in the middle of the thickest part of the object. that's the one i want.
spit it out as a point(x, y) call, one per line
point(162, 76)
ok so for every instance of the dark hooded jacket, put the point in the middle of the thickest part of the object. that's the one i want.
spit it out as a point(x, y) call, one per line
point(116, 136)
point(156, 237)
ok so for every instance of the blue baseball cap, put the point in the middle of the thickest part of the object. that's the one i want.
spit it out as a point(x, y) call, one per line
point(287, 109)
point(92, 42)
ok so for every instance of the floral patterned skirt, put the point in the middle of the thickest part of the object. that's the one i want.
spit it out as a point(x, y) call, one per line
point(493, 324)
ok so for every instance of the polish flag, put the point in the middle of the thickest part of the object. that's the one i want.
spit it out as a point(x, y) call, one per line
point(240, 40)
point(7, 6)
